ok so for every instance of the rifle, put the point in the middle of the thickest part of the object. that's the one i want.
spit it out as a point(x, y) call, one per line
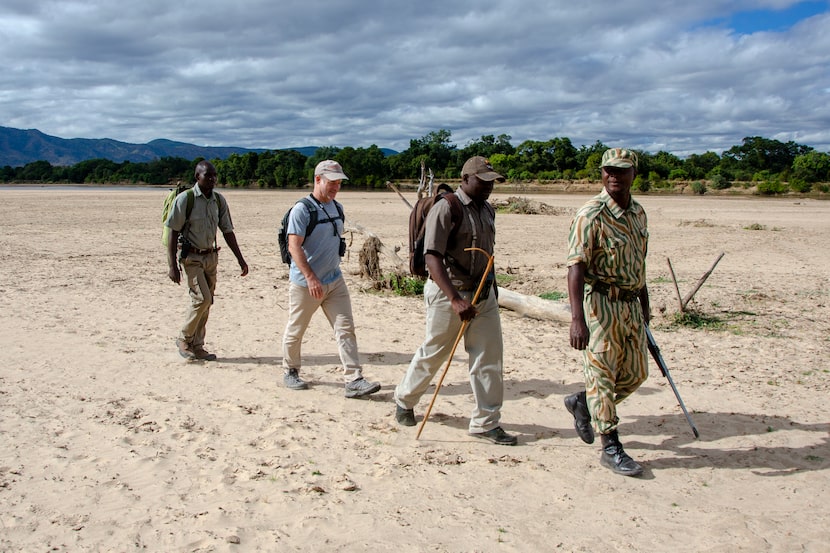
point(658, 358)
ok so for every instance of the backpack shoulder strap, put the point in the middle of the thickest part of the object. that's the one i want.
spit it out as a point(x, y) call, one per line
point(312, 211)
point(191, 198)
point(339, 210)
point(456, 209)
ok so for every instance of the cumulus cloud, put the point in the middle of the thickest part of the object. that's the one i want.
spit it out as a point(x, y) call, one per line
point(264, 74)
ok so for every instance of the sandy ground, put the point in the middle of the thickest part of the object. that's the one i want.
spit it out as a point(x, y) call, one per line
point(109, 441)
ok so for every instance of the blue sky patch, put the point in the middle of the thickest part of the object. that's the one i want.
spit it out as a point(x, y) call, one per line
point(749, 22)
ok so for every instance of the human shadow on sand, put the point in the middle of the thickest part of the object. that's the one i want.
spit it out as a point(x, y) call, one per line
point(766, 460)
point(367, 358)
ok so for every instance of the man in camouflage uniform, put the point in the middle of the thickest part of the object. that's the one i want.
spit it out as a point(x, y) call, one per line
point(607, 248)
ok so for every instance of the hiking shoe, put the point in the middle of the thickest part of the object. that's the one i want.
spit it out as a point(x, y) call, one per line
point(405, 417)
point(184, 349)
point(577, 405)
point(292, 380)
point(201, 353)
point(361, 387)
point(498, 436)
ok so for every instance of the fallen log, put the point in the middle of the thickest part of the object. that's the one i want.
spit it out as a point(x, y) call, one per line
point(534, 307)
point(526, 306)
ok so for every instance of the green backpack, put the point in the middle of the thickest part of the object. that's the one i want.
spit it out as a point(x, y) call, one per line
point(168, 204)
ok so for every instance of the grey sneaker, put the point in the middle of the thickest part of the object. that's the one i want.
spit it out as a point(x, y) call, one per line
point(184, 349)
point(292, 380)
point(361, 387)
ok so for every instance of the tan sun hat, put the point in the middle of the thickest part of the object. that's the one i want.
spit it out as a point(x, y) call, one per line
point(330, 169)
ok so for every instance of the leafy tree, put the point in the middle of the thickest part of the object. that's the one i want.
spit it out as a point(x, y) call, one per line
point(365, 166)
point(763, 154)
point(812, 167)
point(697, 166)
point(435, 150)
point(662, 163)
point(326, 152)
point(36, 171)
point(487, 146)
point(678, 174)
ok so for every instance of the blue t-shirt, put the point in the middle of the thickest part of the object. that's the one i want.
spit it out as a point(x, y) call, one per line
point(322, 246)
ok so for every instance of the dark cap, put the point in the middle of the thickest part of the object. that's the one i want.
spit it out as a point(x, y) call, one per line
point(481, 168)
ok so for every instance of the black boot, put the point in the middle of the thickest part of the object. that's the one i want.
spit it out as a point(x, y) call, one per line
point(577, 405)
point(615, 458)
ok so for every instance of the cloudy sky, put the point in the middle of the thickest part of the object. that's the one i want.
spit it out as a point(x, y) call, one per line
point(674, 75)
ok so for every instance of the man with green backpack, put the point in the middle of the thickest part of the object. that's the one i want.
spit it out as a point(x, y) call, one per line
point(194, 217)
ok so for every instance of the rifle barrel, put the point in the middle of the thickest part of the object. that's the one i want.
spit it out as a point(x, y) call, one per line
point(658, 358)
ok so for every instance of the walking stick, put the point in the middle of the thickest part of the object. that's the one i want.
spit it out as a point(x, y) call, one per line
point(457, 339)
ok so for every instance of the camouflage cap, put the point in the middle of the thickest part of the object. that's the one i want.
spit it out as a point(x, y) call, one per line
point(481, 168)
point(619, 157)
point(330, 169)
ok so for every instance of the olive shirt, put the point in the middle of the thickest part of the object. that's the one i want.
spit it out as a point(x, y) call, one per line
point(611, 241)
point(477, 228)
point(208, 214)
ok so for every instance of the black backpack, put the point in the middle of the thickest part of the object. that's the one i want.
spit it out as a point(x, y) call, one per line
point(307, 201)
point(417, 230)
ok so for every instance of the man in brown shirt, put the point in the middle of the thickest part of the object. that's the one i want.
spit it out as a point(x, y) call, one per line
point(454, 275)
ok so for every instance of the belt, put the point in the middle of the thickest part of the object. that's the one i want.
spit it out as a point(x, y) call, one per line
point(202, 252)
point(614, 293)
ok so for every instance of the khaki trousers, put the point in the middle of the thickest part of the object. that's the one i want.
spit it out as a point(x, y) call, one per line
point(483, 344)
point(200, 270)
point(337, 306)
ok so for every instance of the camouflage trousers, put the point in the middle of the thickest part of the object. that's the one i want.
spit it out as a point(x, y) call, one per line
point(615, 362)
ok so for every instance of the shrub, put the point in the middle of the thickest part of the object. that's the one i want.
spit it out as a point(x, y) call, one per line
point(800, 185)
point(641, 184)
point(698, 188)
point(406, 286)
point(720, 182)
point(770, 188)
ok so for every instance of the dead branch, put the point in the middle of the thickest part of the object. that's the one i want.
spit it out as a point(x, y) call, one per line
point(398, 192)
point(700, 282)
point(676, 287)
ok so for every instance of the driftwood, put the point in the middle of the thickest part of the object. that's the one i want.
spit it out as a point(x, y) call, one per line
point(399, 264)
point(370, 261)
point(684, 302)
point(398, 192)
point(425, 182)
point(534, 307)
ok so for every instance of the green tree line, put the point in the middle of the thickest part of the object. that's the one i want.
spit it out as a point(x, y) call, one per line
point(774, 166)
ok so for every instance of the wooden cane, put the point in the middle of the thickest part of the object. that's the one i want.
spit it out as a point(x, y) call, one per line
point(464, 325)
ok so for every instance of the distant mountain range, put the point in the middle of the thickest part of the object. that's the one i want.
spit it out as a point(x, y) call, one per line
point(19, 147)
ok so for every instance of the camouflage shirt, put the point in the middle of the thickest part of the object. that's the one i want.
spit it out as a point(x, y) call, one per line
point(611, 241)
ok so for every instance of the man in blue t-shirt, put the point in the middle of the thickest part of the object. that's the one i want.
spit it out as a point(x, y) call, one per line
point(315, 280)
